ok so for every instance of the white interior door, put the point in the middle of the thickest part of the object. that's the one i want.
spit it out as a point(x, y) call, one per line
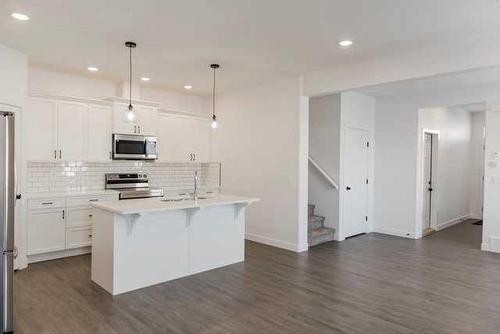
point(355, 181)
point(71, 130)
point(427, 186)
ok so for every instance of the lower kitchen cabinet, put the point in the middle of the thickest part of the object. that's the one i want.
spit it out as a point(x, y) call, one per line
point(46, 231)
point(59, 225)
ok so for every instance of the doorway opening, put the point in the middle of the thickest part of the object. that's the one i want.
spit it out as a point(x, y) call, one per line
point(451, 167)
point(430, 156)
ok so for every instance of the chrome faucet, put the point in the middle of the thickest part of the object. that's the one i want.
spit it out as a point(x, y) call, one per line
point(195, 193)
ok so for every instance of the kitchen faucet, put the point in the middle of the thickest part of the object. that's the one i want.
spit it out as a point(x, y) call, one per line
point(195, 193)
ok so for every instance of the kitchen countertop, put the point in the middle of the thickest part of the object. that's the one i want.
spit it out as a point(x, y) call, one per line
point(149, 205)
point(71, 193)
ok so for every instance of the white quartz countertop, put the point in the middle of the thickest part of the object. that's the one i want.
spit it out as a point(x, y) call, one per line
point(51, 194)
point(148, 205)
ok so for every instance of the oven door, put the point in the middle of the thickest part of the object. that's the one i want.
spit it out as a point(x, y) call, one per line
point(130, 147)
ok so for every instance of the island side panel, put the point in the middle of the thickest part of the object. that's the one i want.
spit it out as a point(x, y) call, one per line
point(149, 249)
point(216, 238)
point(102, 248)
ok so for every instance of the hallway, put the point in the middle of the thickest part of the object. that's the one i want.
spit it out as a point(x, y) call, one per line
point(369, 284)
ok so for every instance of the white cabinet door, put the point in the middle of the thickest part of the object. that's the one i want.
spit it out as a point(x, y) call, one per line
point(46, 231)
point(71, 130)
point(181, 137)
point(99, 133)
point(173, 139)
point(200, 140)
point(147, 120)
point(40, 131)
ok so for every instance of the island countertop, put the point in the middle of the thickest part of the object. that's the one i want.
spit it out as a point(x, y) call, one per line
point(158, 204)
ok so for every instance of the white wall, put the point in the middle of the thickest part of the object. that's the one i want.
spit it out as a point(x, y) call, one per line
point(397, 204)
point(13, 76)
point(259, 143)
point(451, 196)
point(478, 122)
point(395, 172)
point(324, 148)
point(491, 224)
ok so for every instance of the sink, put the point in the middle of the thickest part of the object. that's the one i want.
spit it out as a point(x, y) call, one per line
point(184, 199)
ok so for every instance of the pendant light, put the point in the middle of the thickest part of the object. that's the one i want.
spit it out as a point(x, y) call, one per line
point(214, 118)
point(130, 113)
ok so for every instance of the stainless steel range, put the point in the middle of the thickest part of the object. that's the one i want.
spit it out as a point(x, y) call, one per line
point(131, 185)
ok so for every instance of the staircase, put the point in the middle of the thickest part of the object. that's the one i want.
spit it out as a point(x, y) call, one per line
point(317, 233)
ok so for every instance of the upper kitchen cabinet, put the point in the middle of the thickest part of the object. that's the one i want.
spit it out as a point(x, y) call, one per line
point(71, 130)
point(40, 129)
point(100, 125)
point(144, 123)
point(67, 130)
point(183, 139)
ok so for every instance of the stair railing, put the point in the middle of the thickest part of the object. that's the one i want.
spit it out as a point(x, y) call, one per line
point(324, 173)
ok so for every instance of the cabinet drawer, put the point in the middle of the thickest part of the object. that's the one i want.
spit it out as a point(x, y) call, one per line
point(85, 200)
point(78, 217)
point(46, 203)
point(78, 237)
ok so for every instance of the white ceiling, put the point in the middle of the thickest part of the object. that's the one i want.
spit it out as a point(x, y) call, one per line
point(454, 81)
point(254, 40)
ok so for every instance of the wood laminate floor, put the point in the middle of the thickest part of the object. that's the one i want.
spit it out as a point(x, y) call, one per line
point(370, 284)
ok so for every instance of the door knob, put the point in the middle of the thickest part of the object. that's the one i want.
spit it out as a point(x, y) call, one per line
point(348, 188)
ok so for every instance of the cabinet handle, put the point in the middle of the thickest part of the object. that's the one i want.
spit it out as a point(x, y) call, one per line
point(90, 235)
point(60, 154)
point(47, 203)
point(110, 157)
point(55, 154)
point(194, 156)
point(139, 129)
point(135, 128)
point(63, 214)
point(93, 200)
point(91, 215)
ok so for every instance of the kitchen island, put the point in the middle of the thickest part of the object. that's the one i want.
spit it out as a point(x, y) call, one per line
point(141, 242)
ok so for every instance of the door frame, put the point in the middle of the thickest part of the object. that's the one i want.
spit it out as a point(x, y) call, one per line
point(420, 180)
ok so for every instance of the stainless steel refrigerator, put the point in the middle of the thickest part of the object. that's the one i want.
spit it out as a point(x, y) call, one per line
point(7, 202)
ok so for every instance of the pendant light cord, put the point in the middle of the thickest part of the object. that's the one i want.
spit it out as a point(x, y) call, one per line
point(130, 81)
point(213, 97)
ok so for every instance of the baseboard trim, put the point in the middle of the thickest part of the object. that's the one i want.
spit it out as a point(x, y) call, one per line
point(58, 255)
point(449, 223)
point(275, 242)
point(398, 233)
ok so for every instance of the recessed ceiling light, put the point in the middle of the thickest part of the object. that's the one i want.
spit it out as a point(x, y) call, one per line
point(20, 17)
point(92, 69)
point(145, 79)
point(188, 87)
point(345, 43)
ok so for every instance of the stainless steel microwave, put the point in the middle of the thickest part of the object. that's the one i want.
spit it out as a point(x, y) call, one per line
point(134, 147)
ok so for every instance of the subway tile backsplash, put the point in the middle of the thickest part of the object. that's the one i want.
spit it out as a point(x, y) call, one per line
point(77, 176)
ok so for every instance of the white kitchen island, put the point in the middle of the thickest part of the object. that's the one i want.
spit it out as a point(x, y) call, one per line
point(141, 242)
